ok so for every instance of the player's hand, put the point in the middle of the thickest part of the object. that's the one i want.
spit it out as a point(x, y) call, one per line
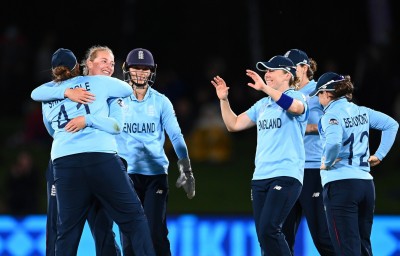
point(324, 167)
point(79, 95)
point(186, 178)
point(373, 160)
point(220, 87)
point(258, 84)
point(336, 160)
point(76, 124)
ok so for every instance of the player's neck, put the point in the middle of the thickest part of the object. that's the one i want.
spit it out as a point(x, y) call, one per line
point(303, 83)
point(140, 93)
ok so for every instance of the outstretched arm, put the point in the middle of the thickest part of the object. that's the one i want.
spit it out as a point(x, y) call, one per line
point(232, 121)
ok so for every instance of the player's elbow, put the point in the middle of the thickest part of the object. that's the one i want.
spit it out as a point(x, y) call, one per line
point(297, 108)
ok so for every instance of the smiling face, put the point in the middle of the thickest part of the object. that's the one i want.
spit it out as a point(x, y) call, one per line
point(277, 79)
point(102, 64)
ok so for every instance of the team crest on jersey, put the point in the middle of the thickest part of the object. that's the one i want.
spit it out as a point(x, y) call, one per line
point(151, 110)
point(333, 121)
point(121, 103)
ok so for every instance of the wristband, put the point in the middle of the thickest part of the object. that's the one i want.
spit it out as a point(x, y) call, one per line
point(285, 101)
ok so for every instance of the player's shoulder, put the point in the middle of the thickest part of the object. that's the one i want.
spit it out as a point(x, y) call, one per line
point(70, 82)
point(296, 94)
point(49, 84)
point(102, 78)
point(330, 119)
point(308, 88)
point(293, 92)
point(157, 94)
point(364, 108)
point(160, 98)
point(332, 112)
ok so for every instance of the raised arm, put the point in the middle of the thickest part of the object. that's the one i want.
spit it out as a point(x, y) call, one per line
point(288, 103)
point(232, 121)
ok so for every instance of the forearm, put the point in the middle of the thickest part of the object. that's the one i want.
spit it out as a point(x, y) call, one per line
point(288, 103)
point(228, 116)
point(48, 92)
point(273, 93)
point(330, 153)
point(180, 147)
point(107, 124)
point(387, 140)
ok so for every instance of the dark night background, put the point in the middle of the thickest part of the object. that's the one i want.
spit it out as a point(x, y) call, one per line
point(192, 41)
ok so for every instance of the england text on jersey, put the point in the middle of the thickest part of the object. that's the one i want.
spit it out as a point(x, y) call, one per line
point(269, 124)
point(139, 127)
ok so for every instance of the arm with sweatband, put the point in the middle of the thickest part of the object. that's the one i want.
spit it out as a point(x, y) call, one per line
point(285, 101)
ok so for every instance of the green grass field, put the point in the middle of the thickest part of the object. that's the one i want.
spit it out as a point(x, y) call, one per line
point(221, 187)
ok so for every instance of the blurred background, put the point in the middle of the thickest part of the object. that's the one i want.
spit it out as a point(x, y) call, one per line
point(192, 41)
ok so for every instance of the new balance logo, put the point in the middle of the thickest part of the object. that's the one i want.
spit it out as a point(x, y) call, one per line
point(316, 194)
point(160, 191)
point(277, 187)
point(53, 190)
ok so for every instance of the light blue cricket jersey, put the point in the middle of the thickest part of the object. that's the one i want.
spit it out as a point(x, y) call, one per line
point(344, 131)
point(51, 91)
point(57, 113)
point(312, 142)
point(141, 141)
point(280, 145)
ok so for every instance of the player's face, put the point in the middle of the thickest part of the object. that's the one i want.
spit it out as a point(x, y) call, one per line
point(324, 98)
point(139, 74)
point(301, 71)
point(103, 64)
point(276, 78)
